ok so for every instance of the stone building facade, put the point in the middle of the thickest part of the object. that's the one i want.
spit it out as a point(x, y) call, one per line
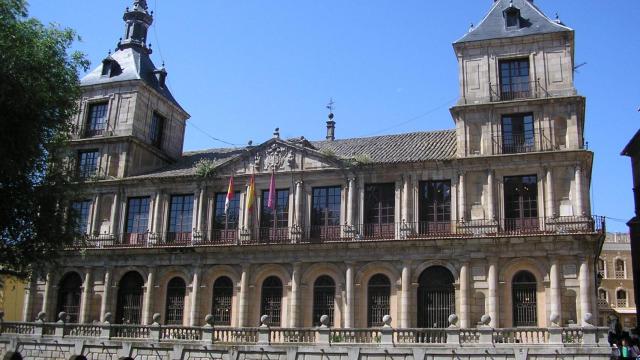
point(492, 217)
point(632, 150)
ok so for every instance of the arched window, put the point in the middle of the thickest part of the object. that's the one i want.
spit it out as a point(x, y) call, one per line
point(436, 297)
point(378, 299)
point(621, 298)
point(69, 296)
point(174, 310)
point(601, 268)
point(603, 298)
point(129, 308)
point(222, 300)
point(620, 269)
point(272, 299)
point(524, 299)
point(324, 291)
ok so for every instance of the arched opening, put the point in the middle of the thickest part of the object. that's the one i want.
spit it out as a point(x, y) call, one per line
point(621, 298)
point(601, 268)
point(523, 293)
point(603, 298)
point(272, 300)
point(129, 308)
point(69, 291)
point(620, 269)
point(436, 297)
point(324, 291)
point(222, 301)
point(174, 308)
point(378, 299)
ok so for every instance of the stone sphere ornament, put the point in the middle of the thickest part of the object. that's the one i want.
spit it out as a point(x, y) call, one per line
point(453, 320)
point(62, 316)
point(485, 319)
point(264, 320)
point(156, 318)
point(588, 318)
point(107, 317)
point(41, 316)
point(324, 320)
point(386, 320)
point(209, 319)
point(555, 319)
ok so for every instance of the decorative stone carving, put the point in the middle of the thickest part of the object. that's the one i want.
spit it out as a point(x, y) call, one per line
point(276, 155)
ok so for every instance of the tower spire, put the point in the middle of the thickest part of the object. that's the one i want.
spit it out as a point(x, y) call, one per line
point(137, 20)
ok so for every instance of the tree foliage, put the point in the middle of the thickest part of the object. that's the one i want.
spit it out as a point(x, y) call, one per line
point(39, 90)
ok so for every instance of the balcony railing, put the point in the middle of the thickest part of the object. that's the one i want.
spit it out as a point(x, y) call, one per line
point(423, 230)
point(517, 91)
point(620, 274)
point(535, 141)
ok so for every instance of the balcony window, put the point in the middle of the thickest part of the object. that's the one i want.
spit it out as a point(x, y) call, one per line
point(180, 219)
point(435, 207)
point(225, 225)
point(87, 163)
point(97, 120)
point(517, 133)
point(325, 213)
point(514, 79)
point(620, 273)
point(156, 129)
point(274, 223)
point(379, 210)
point(603, 298)
point(137, 225)
point(621, 298)
point(601, 268)
point(81, 215)
point(521, 203)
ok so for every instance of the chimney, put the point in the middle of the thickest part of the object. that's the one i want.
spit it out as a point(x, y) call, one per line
point(331, 128)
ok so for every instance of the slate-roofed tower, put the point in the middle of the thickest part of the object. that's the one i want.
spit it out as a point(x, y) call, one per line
point(518, 62)
point(129, 123)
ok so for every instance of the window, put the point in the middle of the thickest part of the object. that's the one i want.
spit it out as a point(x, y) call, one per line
point(620, 273)
point(517, 134)
point(180, 219)
point(129, 306)
point(155, 130)
point(436, 297)
point(521, 203)
point(272, 300)
point(324, 292)
point(225, 226)
point(379, 209)
point(274, 222)
point(525, 305)
point(621, 298)
point(174, 311)
point(601, 268)
point(222, 301)
point(435, 207)
point(87, 163)
point(514, 79)
point(512, 18)
point(603, 298)
point(378, 299)
point(69, 291)
point(325, 213)
point(81, 216)
point(97, 120)
point(137, 225)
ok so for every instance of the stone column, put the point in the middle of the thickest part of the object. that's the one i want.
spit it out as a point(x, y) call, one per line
point(405, 305)
point(551, 211)
point(349, 307)
point(464, 295)
point(46, 301)
point(299, 203)
point(461, 197)
point(493, 300)
point(147, 304)
point(351, 195)
point(85, 300)
point(157, 213)
point(95, 222)
point(579, 203)
point(30, 294)
point(243, 302)
point(201, 210)
point(106, 293)
point(115, 221)
point(405, 198)
point(295, 289)
point(555, 288)
point(195, 287)
point(491, 206)
point(585, 287)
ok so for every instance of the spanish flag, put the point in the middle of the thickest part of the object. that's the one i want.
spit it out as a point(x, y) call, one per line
point(227, 202)
point(251, 193)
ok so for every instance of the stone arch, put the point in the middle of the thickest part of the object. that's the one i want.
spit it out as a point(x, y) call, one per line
point(163, 279)
point(209, 278)
point(435, 297)
point(367, 271)
point(175, 306)
point(130, 290)
point(362, 277)
point(506, 274)
point(68, 295)
point(310, 275)
point(261, 274)
point(118, 273)
point(427, 264)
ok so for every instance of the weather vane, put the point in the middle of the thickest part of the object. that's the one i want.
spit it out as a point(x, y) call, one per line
point(330, 105)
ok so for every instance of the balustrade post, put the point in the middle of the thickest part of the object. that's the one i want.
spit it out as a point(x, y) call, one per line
point(155, 328)
point(555, 331)
point(105, 327)
point(39, 326)
point(386, 331)
point(453, 331)
point(485, 331)
point(264, 331)
point(59, 326)
point(207, 329)
point(589, 332)
point(324, 332)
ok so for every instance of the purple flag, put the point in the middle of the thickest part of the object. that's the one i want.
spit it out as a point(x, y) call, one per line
point(271, 203)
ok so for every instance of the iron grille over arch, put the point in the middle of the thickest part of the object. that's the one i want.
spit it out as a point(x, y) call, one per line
point(272, 300)
point(222, 300)
point(174, 306)
point(378, 299)
point(324, 291)
point(436, 297)
point(129, 307)
point(525, 305)
point(69, 291)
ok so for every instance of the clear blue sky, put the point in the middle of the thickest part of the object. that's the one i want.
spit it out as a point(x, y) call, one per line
point(242, 68)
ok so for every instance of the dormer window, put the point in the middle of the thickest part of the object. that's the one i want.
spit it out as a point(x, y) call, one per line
point(512, 18)
point(110, 67)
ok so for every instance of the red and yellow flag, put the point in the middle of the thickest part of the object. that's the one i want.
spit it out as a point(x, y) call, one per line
point(251, 193)
point(227, 202)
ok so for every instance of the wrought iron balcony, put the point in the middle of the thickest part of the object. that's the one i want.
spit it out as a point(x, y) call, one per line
point(511, 143)
point(517, 91)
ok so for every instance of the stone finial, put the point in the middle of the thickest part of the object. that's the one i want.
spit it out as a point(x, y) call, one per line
point(453, 320)
point(63, 316)
point(587, 319)
point(324, 321)
point(386, 320)
point(41, 316)
point(107, 317)
point(276, 133)
point(156, 319)
point(485, 320)
point(209, 319)
point(264, 320)
point(555, 319)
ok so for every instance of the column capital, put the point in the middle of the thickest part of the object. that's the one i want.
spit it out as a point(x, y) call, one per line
point(299, 182)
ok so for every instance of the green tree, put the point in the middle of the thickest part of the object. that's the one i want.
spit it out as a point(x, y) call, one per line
point(39, 90)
